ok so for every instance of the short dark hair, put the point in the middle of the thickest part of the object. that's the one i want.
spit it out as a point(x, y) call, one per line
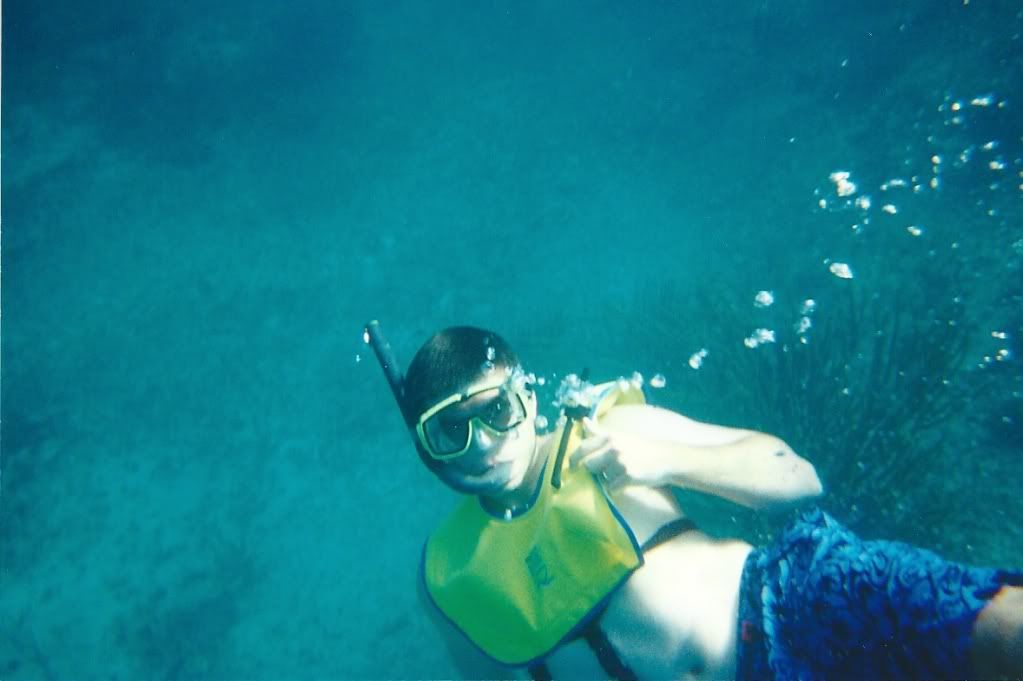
point(449, 362)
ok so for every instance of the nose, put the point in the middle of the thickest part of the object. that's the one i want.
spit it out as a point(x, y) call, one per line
point(483, 439)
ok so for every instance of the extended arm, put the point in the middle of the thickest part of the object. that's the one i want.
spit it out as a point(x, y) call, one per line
point(641, 444)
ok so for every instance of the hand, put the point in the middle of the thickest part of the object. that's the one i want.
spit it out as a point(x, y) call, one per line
point(617, 459)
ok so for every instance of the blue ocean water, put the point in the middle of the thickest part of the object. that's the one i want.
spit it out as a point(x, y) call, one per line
point(203, 472)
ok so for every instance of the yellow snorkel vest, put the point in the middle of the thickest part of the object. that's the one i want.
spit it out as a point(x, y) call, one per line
point(519, 587)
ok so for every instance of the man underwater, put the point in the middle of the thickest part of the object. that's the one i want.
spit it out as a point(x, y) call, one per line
point(584, 566)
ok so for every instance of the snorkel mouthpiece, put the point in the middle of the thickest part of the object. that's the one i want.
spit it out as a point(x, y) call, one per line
point(573, 412)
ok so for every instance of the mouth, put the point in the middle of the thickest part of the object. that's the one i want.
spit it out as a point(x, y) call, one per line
point(489, 466)
point(479, 465)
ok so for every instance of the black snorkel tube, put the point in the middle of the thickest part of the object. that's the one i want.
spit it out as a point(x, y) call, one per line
point(388, 362)
point(374, 336)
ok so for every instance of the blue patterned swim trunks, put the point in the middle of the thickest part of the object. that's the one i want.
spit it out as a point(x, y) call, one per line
point(821, 603)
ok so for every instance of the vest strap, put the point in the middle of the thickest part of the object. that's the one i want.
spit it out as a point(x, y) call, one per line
point(597, 640)
point(540, 672)
point(669, 531)
point(607, 656)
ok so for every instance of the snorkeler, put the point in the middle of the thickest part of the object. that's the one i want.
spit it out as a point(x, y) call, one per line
point(571, 558)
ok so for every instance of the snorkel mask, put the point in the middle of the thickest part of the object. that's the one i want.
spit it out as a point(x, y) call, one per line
point(447, 429)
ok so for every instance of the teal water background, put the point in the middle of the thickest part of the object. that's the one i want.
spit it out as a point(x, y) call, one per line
point(203, 473)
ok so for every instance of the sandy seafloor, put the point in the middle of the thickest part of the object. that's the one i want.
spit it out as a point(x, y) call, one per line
point(203, 473)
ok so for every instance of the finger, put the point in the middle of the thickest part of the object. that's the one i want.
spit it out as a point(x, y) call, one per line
point(591, 427)
point(614, 476)
point(615, 483)
point(600, 461)
point(587, 447)
point(582, 454)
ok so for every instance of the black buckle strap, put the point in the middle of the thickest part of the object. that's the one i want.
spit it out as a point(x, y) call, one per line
point(669, 531)
point(607, 656)
point(540, 672)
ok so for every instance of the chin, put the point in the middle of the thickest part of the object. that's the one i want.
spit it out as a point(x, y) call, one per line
point(505, 475)
point(517, 474)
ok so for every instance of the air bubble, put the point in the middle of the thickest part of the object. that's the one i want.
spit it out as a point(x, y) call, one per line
point(759, 337)
point(764, 299)
point(840, 270)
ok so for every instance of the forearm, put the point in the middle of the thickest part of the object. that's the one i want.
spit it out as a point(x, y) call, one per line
point(758, 470)
point(661, 447)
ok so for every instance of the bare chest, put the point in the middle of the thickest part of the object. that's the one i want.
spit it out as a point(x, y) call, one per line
point(675, 617)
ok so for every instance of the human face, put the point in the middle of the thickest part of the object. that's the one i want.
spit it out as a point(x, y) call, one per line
point(494, 462)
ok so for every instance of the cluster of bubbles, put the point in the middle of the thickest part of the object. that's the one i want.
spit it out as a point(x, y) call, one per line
point(957, 161)
point(949, 152)
point(765, 336)
point(696, 359)
point(890, 203)
point(574, 391)
point(946, 155)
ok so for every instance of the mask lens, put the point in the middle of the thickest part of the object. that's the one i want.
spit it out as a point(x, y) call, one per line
point(446, 436)
point(503, 412)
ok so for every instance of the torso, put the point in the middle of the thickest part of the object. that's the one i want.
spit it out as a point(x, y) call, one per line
point(675, 617)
